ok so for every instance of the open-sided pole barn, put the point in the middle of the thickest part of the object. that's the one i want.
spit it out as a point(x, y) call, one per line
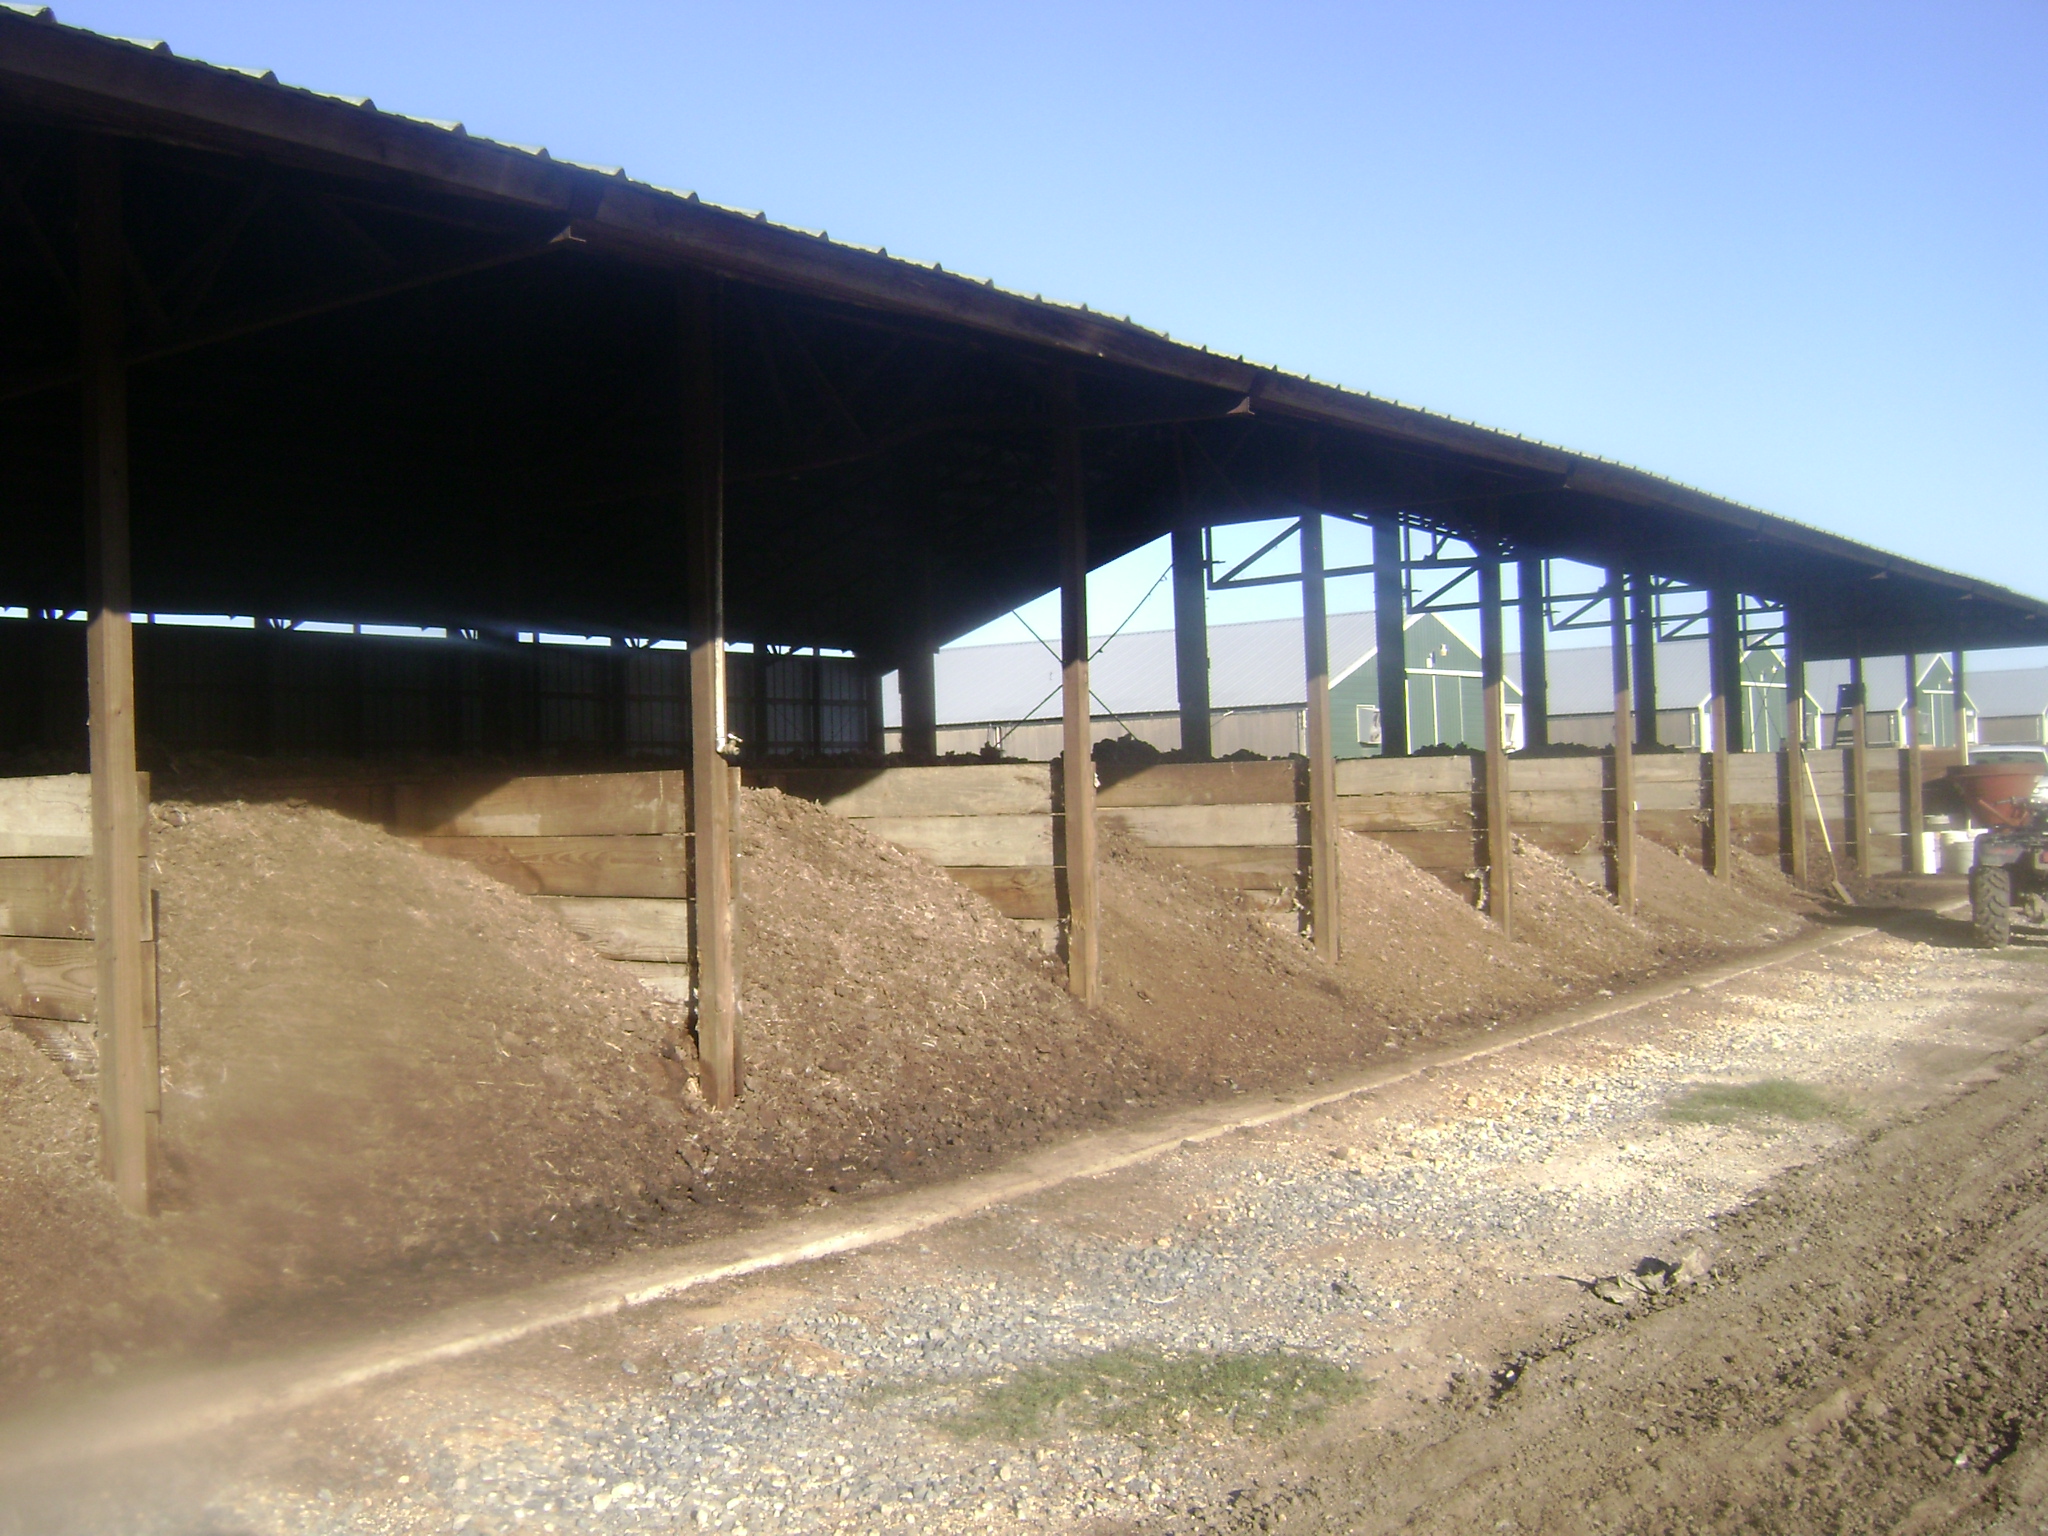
point(305, 359)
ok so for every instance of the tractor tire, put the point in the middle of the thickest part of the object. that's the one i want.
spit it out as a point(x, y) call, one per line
point(1991, 905)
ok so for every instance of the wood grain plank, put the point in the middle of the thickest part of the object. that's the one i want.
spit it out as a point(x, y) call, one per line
point(1420, 812)
point(969, 789)
point(577, 866)
point(651, 803)
point(1452, 851)
point(1027, 892)
point(55, 979)
point(1174, 784)
point(52, 899)
point(967, 840)
point(50, 816)
point(1246, 869)
point(628, 927)
point(1403, 775)
point(1209, 826)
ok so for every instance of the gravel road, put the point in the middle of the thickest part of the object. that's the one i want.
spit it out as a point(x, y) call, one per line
point(1414, 1244)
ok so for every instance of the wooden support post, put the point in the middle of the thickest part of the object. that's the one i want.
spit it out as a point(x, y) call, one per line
point(1916, 798)
point(1322, 757)
point(128, 1084)
point(1624, 746)
point(1643, 632)
point(1389, 601)
point(1535, 661)
point(703, 426)
point(1859, 765)
point(1795, 749)
point(1500, 878)
point(1077, 765)
point(1723, 683)
point(917, 684)
point(1955, 666)
point(1191, 642)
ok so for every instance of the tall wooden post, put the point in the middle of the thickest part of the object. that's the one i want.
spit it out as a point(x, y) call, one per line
point(1795, 748)
point(1955, 666)
point(1725, 684)
point(1916, 799)
point(128, 1087)
point(1500, 877)
point(917, 686)
point(1535, 623)
point(1322, 757)
point(1191, 642)
point(1859, 764)
point(1077, 766)
point(711, 800)
point(1643, 621)
point(1624, 746)
point(1390, 634)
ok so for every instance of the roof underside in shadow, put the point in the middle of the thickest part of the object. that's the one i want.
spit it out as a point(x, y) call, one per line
point(384, 371)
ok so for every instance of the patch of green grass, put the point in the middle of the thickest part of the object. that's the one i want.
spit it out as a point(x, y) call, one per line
point(1775, 1098)
point(1145, 1393)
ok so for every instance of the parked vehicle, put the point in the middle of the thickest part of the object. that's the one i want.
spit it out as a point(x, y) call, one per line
point(2005, 794)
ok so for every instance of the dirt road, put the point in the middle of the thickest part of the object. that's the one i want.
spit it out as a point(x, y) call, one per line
point(1404, 1310)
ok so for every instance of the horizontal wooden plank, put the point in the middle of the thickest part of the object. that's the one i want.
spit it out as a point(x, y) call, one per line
point(1589, 805)
point(1042, 931)
point(52, 899)
point(1209, 826)
point(1015, 892)
point(1402, 775)
point(50, 816)
point(545, 805)
point(628, 927)
point(1422, 812)
point(54, 979)
point(1560, 773)
point(968, 789)
point(1666, 767)
point(665, 980)
point(577, 866)
point(1200, 784)
point(969, 840)
point(1454, 851)
point(1244, 869)
point(1669, 797)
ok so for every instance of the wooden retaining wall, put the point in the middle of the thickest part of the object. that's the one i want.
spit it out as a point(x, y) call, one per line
point(1246, 824)
point(988, 825)
point(47, 975)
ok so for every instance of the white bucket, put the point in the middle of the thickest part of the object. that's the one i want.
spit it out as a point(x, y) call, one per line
point(1958, 852)
point(1930, 853)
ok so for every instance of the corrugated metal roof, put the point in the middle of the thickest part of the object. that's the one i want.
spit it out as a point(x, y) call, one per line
point(2008, 691)
point(46, 15)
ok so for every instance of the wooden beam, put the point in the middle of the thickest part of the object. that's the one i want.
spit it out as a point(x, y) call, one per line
point(1624, 747)
point(1322, 758)
point(1955, 666)
point(1535, 660)
point(1723, 682)
point(1500, 875)
point(1191, 642)
point(1916, 798)
point(1389, 600)
point(1077, 762)
point(128, 1083)
point(1795, 748)
point(1859, 766)
point(711, 844)
point(1643, 647)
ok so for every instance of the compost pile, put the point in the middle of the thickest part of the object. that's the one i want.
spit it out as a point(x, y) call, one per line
point(387, 1075)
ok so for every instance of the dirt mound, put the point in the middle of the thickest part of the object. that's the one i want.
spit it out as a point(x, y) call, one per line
point(890, 1014)
point(1207, 981)
point(1693, 910)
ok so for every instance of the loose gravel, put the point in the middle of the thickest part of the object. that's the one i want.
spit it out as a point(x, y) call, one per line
point(1412, 1235)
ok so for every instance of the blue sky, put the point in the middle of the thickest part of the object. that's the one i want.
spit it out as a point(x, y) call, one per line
point(1791, 254)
